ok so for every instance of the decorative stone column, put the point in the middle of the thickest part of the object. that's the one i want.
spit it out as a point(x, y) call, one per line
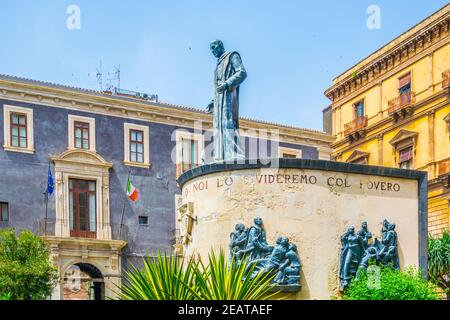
point(380, 99)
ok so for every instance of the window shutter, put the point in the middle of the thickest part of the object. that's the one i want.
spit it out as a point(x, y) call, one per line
point(405, 154)
point(405, 80)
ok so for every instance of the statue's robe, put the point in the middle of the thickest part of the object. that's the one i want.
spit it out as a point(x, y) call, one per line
point(227, 144)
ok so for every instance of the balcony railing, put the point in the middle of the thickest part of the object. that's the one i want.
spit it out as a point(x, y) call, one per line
point(356, 125)
point(46, 227)
point(446, 79)
point(402, 102)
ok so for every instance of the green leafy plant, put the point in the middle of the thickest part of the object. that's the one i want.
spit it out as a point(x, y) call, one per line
point(26, 272)
point(220, 280)
point(5, 296)
point(170, 278)
point(163, 278)
point(439, 261)
point(393, 285)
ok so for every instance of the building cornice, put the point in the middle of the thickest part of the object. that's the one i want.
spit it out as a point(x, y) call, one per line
point(79, 242)
point(399, 52)
point(12, 88)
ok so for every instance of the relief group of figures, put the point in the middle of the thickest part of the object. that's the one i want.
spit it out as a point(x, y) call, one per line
point(358, 250)
point(280, 260)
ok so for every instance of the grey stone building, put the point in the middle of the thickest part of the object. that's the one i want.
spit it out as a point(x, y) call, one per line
point(93, 142)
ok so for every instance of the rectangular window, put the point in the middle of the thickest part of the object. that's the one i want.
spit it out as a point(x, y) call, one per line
point(405, 158)
point(359, 109)
point(284, 152)
point(81, 132)
point(143, 220)
point(189, 152)
point(4, 212)
point(18, 129)
point(82, 208)
point(136, 146)
point(289, 155)
point(81, 135)
point(404, 88)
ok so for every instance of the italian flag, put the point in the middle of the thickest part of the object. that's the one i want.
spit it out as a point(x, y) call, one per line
point(132, 192)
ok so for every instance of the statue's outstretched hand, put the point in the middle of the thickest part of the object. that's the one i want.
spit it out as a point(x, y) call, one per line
point(210, 107)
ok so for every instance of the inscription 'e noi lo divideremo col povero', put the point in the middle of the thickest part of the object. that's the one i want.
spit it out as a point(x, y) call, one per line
point(332, 182)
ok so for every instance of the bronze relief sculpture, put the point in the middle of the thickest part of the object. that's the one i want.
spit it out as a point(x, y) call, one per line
point(357, 250)
point(281, 261)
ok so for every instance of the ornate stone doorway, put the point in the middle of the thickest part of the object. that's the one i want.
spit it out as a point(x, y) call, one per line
point(83, 281)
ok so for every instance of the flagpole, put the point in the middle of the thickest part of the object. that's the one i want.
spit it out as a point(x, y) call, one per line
point(124, 203)
point(46, 204)
point(46, 212)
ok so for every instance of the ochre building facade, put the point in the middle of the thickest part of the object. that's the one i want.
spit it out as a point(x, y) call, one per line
point(393, 109)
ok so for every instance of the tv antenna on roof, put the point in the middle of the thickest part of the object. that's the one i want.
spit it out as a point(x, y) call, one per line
point(115, 76)
point(99, 76)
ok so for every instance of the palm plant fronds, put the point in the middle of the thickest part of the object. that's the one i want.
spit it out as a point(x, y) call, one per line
point(170, 278)
point(160, 279)
point(220, 280)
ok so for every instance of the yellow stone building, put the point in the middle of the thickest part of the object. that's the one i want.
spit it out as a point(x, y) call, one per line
point(393, 109)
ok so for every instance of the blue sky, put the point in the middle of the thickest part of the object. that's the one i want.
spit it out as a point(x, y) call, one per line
point(291, 49)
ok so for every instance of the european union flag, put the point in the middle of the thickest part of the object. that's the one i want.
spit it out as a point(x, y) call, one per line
point(50, 182)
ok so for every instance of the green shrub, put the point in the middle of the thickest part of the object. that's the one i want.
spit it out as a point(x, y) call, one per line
point(5, 296)
point(26, 272)
point(439, 261)
point(392, 285)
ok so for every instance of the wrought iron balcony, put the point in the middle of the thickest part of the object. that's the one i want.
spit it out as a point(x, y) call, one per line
point(356, 129)
point(47, 227)
point(402, 106)
point(446, 79)
point(403, 101)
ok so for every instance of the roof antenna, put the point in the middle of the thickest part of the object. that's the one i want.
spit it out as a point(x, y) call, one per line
point(99, 76)
point(115, 77)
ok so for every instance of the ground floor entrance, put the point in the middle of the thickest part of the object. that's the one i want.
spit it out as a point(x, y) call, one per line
point(83, 281)
point(90, 269)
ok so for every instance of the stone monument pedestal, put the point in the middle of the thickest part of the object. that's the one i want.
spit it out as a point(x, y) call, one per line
point(312, 202)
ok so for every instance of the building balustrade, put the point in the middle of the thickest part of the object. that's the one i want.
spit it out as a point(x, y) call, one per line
point(47, 227)
point(356, 129)
point(402, 106)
